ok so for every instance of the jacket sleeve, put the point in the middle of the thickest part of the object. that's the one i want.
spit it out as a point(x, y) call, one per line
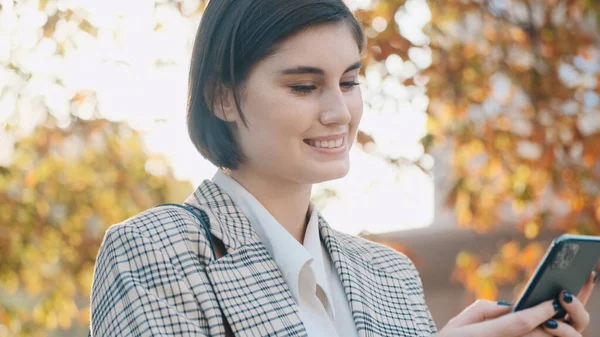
point(137, 291)
point(424, 312)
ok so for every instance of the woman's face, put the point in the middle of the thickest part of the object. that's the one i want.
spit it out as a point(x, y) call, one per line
point(303, 107)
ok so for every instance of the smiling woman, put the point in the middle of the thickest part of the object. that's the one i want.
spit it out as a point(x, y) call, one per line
point(301, 95)
point(275, 104)
point(297, 89)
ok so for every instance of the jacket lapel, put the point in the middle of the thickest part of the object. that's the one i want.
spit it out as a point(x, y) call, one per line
point(249, 287)
point(255, 299)
point(380, 307)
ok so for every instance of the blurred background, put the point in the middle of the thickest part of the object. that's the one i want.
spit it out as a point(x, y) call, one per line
point(480, 141)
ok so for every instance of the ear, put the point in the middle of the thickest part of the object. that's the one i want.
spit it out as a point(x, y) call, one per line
point(225, 107)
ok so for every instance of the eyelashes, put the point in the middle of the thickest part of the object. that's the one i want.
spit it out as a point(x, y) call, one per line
point(307, 89)
point(303, 89)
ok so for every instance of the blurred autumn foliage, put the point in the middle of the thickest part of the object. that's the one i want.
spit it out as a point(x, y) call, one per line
point(70, 173)
point(514, 96)
point(63, 189)
point(517, 94)
point(510, 88)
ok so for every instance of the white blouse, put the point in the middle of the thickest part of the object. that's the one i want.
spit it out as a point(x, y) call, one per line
point(307, 269)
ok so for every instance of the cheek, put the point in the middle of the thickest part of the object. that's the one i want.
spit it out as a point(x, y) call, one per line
point(286, 114)
point(355, 106)
point(357, 109)
point(283, 117)
point(276, 122)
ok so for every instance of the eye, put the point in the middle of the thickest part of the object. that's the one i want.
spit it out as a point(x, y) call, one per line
point(303, 89)
point(349, 85)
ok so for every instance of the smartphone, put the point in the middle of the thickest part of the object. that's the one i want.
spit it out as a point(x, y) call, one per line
point(567, 265)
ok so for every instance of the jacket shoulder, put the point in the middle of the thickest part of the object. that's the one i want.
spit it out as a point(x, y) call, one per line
point(395, 264)
point(381, 256)
point(169, 228)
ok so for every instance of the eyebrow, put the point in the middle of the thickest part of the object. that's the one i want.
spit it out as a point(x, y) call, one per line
point(313, 70)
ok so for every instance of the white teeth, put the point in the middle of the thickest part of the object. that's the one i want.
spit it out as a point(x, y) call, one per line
point(326, 144)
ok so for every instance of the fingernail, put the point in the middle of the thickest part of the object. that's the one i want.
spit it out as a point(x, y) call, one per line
point(556, 305)
point(558, 308)
point(506, 304)
point(595, 277)
point(567, 297)
point(551, 324)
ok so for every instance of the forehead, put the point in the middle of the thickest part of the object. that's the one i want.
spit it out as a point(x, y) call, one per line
point(329, 46)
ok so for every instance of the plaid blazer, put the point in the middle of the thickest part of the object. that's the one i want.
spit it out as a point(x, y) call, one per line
point(155, 276)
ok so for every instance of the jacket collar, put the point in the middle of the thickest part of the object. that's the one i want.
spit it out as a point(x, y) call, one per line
point(261, 294)
point(230, 226)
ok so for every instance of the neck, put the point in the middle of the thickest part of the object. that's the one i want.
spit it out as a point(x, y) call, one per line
point(287, 202)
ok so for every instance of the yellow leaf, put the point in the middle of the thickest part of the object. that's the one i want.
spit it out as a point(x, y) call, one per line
point(39, 314)
point(510, 250)
point(487, 290)
point(532, 229)
point(464, 260)
point(84, 315)
point(11, 282)
point(64, 320)
point(43, 208)
point(51, 320)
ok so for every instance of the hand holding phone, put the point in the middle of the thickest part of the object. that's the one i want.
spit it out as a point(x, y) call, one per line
point(566, 266)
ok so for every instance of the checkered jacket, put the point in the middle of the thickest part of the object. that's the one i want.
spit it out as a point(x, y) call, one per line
point(155, 276)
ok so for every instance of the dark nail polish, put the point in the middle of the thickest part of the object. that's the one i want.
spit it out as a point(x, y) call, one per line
point(567, 297)
point(506, 304)
point(560, 311)
point(551, 324)
point(595, 277)
point(556, 305)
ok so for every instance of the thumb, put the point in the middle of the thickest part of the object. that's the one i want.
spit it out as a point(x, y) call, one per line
point(479, 311)
point(511, 325)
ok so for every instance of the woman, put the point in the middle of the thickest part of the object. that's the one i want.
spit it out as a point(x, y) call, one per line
point(274, 102)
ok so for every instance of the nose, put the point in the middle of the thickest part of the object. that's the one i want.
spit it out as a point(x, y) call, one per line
point(335, 108)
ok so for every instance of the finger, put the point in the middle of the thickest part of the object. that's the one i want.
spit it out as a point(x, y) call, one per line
point(539, 332)
point(560, 329)
point(514, 324)
point(578, 316)
point(586, 291)
point(479, 311)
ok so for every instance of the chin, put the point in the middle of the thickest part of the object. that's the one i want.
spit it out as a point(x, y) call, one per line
point(330, 173)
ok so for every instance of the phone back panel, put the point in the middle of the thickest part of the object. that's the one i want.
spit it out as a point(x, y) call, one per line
point(567, 265)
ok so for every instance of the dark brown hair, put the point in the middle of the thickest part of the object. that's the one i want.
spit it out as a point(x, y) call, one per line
point(233, 36)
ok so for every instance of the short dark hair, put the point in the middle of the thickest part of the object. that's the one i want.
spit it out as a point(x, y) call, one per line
point(233, 36)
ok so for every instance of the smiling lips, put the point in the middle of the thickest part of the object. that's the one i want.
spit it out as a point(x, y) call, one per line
point(327, 142)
